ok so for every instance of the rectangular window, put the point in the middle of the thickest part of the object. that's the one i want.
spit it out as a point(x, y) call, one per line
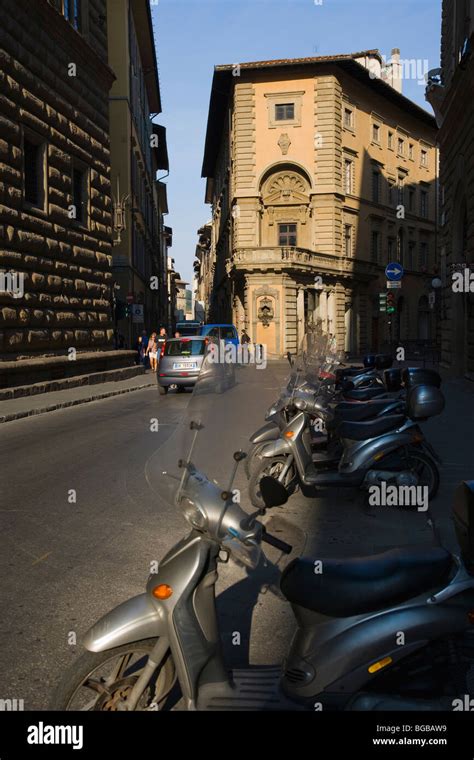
point(32, 158)
point(376, 133)
point(411, 255)
point(348, 239)
point(391, 192)
point(71, 10)
point(390, 250)
point(284, 111)
point(390, 140)
point(348, 176)
point(411, 199)
point(401, 191)
point(401, 146)
point(287, 235)
point(424, 203)
point(375, 246)
point(375, 187)
point(348, 118)
point(423, 259)
point(411, 151)
point(424, 158)
point(79, 194)
point(33, 171)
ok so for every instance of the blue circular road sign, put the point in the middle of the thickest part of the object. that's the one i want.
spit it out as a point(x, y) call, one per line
point(394, 271)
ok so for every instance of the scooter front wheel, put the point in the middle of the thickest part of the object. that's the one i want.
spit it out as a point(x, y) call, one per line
point(102, 681)
point(272, 468)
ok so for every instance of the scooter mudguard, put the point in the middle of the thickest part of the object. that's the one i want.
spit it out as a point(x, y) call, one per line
point(268, 432)
point(278, 448)
point(133, 620)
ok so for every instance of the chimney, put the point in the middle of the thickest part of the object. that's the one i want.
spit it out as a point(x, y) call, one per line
point(394, 71)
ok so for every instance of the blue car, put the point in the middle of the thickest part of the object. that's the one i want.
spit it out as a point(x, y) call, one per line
point(227, 333)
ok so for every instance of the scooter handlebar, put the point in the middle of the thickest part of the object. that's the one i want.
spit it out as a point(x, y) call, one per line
point(274, 541)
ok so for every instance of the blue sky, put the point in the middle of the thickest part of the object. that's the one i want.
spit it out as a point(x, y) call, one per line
point(192, 36)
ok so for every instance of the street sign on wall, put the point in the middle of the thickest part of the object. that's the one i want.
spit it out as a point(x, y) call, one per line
point(138, 313)
point(394, 271)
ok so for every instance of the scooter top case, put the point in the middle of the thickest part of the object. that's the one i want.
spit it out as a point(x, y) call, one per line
point(424, 401)
point(369, 361)
point(419, 376)
point(383, 361)
point(393, 379)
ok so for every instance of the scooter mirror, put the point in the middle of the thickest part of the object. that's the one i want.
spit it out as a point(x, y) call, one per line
point(274, 493)
point(239, 455)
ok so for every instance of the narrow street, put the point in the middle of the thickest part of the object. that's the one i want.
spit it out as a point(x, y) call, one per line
point(65, 564)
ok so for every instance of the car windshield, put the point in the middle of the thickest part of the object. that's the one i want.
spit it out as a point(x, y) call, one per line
point(185, 347)
point(191, 330)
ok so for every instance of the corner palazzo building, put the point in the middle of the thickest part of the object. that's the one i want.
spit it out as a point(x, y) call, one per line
point(55, 200)
point(451, 93)
point(308, 162)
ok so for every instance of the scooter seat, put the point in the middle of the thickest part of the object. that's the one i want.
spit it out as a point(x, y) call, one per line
point(359, 412)
point(362, 431)
point(353, 586)
point(365, 394)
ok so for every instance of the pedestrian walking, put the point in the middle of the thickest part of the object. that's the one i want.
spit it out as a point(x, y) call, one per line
point(162, 337)
point(245, 337)
point(152, 351)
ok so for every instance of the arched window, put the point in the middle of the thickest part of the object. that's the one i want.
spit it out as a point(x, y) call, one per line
point(285, 207)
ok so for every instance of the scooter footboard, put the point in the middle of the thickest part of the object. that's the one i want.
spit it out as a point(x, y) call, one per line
point(135, 619)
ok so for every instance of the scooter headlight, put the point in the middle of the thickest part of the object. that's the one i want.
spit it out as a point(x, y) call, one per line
point(194, 514)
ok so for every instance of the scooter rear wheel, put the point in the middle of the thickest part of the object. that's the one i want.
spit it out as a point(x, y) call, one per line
point(101, 681)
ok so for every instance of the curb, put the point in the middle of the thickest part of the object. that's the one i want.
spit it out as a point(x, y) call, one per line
point(74, 402)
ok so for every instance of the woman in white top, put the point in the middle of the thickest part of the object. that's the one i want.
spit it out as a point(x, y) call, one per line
point(152, 351)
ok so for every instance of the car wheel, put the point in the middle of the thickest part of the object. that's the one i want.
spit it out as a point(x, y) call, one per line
point(163, 390)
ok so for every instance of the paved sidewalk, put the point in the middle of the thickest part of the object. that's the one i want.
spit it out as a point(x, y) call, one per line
point(27, 406)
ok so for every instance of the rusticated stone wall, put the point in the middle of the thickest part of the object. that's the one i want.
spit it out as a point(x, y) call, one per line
point(66, 266)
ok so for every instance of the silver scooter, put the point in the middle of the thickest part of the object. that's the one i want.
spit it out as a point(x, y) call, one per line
point(349, 613)
point(162, 648)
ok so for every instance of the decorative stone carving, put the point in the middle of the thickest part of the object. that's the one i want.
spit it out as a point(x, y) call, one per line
point(266, 311)
point(284, 143)
point(285, 188)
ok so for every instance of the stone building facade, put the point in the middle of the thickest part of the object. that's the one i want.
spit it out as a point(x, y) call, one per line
point(451, 93)
point(319, 173)
point(138, 151)
point(55, 195)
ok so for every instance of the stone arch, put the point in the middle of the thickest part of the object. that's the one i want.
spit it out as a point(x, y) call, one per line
point(282, 166)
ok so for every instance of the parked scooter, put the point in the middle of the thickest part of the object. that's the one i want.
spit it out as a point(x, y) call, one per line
point(325, 400)
point(386, 449)
point(345, 653)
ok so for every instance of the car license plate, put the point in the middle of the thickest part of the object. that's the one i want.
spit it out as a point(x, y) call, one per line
point(184, 365)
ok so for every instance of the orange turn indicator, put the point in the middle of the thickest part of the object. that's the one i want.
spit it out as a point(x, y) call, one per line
point(163, 591)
